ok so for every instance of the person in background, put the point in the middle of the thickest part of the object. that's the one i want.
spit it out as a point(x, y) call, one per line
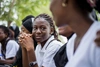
point(45, 34)
point(81, 49)
point(26, 27)
point(8, 47)
point(14, 32)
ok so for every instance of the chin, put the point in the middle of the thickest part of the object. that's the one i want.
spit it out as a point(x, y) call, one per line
point(60, 23)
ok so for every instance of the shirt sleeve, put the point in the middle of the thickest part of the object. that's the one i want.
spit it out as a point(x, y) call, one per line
point(11, 49)
point(50, 53)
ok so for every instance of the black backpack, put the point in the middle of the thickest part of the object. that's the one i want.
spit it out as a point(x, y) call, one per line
point(60, 58)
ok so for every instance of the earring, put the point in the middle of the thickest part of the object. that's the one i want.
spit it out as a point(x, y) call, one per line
point(64, 5)
point(91, 1)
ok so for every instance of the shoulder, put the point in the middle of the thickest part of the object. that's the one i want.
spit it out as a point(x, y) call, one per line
point(55, 43)
point(12, 43)
point(54, 46)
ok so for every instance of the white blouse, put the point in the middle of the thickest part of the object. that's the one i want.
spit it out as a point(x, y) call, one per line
point(11, 49)
point(45, 55)
point(87, 53)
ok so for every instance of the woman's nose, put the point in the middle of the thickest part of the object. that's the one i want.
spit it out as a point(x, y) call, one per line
point(38, 31)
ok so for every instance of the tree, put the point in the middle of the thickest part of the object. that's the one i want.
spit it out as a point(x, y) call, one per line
point(16, 10)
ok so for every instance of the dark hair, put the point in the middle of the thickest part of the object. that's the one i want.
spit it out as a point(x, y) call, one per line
point(27, 22)
point(15, 29)
point(27, 17)
point(85, 6)
point(50, 21)
point(5, 29)
point(7, 32)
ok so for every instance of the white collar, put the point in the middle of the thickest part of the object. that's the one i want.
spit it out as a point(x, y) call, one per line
point(46, 44)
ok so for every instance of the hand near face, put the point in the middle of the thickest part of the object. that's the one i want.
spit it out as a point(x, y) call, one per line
point(97, 40)
point(26, 41)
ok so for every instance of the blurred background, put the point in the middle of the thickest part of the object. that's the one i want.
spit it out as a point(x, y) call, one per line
point(13, 11)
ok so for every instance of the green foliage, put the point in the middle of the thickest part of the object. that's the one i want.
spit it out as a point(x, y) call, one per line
point(22, 8)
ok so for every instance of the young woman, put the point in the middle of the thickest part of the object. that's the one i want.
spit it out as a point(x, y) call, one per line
point(26, 28)
point(45, 34)
point(81, 48)
point(8, 47)
point(15, 32)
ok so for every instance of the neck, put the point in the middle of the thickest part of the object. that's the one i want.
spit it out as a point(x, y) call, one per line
point(81, 26)
point(3, 41)
point(43, 43)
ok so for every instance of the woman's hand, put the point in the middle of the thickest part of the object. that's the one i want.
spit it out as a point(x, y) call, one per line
point(97, 40)
point(26, 41)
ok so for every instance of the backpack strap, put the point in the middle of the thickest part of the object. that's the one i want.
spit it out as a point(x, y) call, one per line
point(49, 43)
point(3, 48)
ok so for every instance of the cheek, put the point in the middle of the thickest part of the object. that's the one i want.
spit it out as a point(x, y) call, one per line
point(2, 37)
point(60, 20)
point(46, 36)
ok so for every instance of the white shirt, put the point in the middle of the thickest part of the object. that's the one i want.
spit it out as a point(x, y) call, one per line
point(11, 49)
point(87, 53)
point(45, 55)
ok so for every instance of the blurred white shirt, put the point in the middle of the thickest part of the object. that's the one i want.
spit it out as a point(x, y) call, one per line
point(87, 53)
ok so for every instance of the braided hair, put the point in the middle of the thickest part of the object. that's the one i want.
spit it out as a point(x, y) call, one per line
point(3, 47)
point(50, 21)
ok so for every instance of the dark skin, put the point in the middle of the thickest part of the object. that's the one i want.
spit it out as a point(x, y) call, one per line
point(41, 32)
point(65, 31)
point(62, 16)
point(25, 57)
point(71, 16)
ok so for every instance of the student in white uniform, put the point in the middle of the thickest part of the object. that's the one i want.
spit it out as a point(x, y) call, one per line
point(8, 47)
point(48, 44)
point(81, 48)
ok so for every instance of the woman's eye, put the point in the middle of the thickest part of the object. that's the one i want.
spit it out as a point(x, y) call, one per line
point(42, 28)
point(34, 28)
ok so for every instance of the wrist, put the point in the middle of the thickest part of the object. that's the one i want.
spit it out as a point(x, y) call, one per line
point(32, 63)
point(30, 49)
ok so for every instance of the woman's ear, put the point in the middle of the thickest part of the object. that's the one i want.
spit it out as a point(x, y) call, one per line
point(52, 30)
point(64, 3)
point(6, 35)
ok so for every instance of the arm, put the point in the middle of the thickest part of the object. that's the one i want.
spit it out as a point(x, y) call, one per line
point(31, 56)
point(27, 43)
point(11, 50)
point(7, 61)
point(24, 58)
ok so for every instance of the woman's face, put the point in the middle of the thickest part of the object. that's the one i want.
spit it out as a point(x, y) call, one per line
point(62, 15)
point(23, 29)
point(2, 35)
point(41, 30)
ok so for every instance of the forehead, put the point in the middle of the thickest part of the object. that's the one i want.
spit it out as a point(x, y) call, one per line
point(1, 30)
point(41, 21)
